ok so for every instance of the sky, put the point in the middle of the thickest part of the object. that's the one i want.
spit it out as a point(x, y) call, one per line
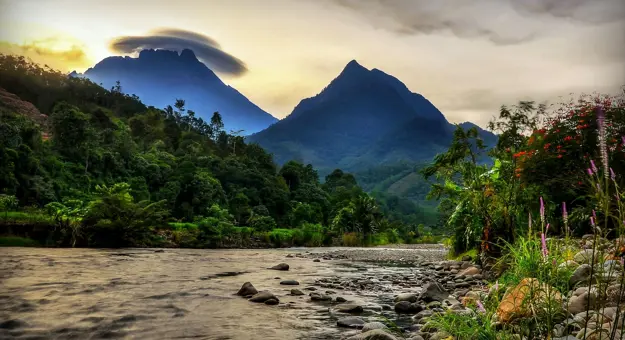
point(468, 57)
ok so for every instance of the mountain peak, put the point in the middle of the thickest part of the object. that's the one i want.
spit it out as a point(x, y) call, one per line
point(354, 66)
point(188, 54)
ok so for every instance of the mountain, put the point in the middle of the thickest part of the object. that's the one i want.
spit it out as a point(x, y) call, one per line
point(363, 118)
point(159, 77)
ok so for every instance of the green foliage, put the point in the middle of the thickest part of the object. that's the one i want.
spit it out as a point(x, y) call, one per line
point(15, 241)
point(112, 172)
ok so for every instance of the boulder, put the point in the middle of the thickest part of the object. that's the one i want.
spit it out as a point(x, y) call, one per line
point(319, 297)
point(375, 334)
point(467, 258)
point(585, 256)
point(351, 308)
point(469, 271)
point(529, 295)
point(581, 274)
point(433, 291)
point(289, 283)
point(280, 266)
point(351, 322)
point(247, 289)
point(340, 299)
point(296, 292)
point(577, 303)
point(373, 325)
point(263, 296)
point(410, 297)
point(272, 301)
point(406, 307)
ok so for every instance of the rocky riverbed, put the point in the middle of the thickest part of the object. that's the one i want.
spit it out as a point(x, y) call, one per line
point(336, 293)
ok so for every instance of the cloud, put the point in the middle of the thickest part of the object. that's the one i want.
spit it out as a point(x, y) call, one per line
point(54, 52)
point(205, 48)
point(587, 11)
point(501, 22)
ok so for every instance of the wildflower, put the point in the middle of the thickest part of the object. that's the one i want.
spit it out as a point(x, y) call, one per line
point(565, 215)
point(612, 174)
point(589, 171)
point(593, 166)
point(602, 144)
point(480, 307)
point(547, 229)
point(543, 242)
point(497, 285)
point(542, 210)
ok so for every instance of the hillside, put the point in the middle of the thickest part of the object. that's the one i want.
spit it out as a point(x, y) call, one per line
point(115, 172)
point(363, 118)
point(159, 77)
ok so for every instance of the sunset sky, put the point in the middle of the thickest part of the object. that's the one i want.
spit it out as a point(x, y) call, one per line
point(467, 56)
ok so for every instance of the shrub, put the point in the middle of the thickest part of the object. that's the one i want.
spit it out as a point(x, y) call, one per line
point(351, 240)
point(262, 223)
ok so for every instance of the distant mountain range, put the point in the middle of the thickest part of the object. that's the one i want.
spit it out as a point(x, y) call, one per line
point(159, 77)
point(362, 119)
point(365, 121)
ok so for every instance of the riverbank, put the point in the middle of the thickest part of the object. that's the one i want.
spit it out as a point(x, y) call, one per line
point(392, 292)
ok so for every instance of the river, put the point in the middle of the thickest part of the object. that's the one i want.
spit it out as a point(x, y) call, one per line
point(183, 293)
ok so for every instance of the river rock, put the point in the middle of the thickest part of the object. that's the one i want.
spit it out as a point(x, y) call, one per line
point(281, 266)
point(262, 297)
point(289, 283)
point(316, 260)
point(581, 274)
point(467, 258)
point(406, 307)
point(529, 292)
point(410, 297)
point(578, 303)
point(351, 322)
point(296, 292)
point(433, 291)
point(469, 271)
point(584, 256)
point(375, 334)
point(440, 336)
point(247, 289)
point(351, 308)
point(272, 301)
point(373, 325)
point(319, 297)
point(340, 299)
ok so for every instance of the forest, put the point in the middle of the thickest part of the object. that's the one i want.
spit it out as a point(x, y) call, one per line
point(81, 165)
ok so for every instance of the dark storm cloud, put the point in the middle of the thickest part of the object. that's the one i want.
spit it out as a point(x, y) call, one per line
point(492, 20)
point(205, 48)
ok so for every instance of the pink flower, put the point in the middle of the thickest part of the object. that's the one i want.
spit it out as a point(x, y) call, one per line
point(589, 171)
point(593, 166)
point(480, 306)
point(612, 174)
point(543, 242)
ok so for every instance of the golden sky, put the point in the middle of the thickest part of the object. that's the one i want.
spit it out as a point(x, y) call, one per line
point(467, 56)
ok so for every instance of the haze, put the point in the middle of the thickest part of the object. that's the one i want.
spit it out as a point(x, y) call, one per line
point(466, 57)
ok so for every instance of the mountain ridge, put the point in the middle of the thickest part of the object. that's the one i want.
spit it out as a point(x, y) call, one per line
point(161, 76)
point(372, 114)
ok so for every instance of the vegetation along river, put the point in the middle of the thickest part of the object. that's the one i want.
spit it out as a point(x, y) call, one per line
point(190, 294)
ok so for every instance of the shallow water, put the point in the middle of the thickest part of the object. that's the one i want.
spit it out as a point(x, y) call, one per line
point(162, 294)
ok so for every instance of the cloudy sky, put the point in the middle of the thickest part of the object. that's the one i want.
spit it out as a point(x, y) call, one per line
point(467, 56)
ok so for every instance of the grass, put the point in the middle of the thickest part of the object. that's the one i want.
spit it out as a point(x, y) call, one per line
point(15, 241)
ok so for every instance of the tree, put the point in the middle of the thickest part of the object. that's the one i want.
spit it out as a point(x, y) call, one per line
point(216, 126)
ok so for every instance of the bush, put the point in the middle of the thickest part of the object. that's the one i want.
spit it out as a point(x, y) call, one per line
point(262, 223)
point(281, 237)
point(14, 241)
point(351, 240)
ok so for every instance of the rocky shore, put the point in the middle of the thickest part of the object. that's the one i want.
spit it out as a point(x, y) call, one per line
point(392, 293)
